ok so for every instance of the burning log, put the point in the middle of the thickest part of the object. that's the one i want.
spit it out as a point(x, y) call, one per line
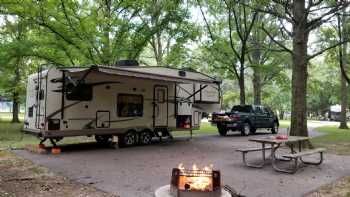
point(196, 182)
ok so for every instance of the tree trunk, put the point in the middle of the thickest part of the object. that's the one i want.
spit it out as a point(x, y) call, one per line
point(241, 87)
point(344, 103)
point(159, 57)
point(256, 77)
point(299, 70)
point(15, 107)
point(107, 58)
point(15, 96)
point(256, 61)
point(256, 87)
point(344, 87)
point(281, 115)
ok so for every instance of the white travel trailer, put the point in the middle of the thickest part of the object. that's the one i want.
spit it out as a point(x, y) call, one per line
point(132, 102)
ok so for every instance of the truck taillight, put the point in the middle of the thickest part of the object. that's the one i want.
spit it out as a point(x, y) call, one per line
point(234, 117)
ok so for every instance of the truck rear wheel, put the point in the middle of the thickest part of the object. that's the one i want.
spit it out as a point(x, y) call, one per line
point(104, 139)
point(222, 130)
point(246, 129)
point(274, 128)
point(127, 139)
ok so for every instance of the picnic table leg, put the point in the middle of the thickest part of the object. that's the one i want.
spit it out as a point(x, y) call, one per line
point(251, 165)
point(313, 163)
point(263, 151)
point(274, 165)
point(280, 158)
point(292, 148)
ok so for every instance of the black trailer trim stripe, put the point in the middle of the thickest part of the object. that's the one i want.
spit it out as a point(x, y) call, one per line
point(123, 120)
point(200, 89)
point(59, 111)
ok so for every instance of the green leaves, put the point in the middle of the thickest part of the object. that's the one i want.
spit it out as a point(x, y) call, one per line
point(97, 32)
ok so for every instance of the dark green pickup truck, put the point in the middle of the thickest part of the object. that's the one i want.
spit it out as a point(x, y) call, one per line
point(246, 119)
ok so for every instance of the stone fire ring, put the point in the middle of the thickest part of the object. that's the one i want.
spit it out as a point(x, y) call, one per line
point(164, 191)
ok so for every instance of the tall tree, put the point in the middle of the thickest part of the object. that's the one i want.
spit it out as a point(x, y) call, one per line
point(98, 32)
point(237, 22)
point(13, 67)
point(304, 17)
point(343, 35)
point(266, 60)
point(167, 46)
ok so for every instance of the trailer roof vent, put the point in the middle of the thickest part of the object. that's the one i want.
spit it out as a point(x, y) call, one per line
point(127, 63)
point(182, 73)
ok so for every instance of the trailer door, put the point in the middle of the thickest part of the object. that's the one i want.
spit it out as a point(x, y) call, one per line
point(160, 107)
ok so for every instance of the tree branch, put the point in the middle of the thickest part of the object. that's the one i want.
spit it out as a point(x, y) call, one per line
point(275, 41)
point(326, 49)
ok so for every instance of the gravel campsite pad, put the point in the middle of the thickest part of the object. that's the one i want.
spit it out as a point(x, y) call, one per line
point(139, 171)
point(20, 177)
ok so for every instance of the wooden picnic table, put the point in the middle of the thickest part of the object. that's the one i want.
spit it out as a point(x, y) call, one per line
point(274, 144)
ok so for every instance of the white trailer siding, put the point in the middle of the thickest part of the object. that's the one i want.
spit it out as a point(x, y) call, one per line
point(80, 114)
point(168, 104)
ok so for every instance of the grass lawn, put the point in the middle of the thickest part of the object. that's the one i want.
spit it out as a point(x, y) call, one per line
point(284, 123)
point(337, 188)
point(12, 137)
point(205, 129)
point(336, 140)
point(7, 117)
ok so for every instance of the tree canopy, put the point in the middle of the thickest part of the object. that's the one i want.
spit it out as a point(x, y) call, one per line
point(284, 54)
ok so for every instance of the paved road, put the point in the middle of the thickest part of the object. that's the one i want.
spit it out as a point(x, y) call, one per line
point(312, 125)
point(138, 171)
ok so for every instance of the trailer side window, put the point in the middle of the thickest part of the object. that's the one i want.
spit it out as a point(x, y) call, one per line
point(129, 105)
point(80, 92)
point(30, 112)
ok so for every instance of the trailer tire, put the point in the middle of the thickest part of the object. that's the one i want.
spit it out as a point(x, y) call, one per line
point(128, 139)
point(145, 137)
point(104, 139)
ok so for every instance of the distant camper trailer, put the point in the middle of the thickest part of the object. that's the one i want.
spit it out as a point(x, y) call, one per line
point(334, 113)
point(134, 102)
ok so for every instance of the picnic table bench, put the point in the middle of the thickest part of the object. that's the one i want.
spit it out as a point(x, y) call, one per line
point(274, 144)
point(244, 151)
point(299, 155)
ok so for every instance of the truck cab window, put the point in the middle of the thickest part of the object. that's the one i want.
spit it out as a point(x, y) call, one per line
point(129, 105)
point(80, 92)
point(258, 110)
point(242, 108)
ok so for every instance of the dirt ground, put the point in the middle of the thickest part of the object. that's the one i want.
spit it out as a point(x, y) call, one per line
point(339, 188)
point(139, 171)
point(20, 177)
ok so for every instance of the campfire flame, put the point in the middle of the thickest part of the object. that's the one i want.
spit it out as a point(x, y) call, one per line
point(196, 180)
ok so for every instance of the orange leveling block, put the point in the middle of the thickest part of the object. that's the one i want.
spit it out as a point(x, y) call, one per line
point(55, 150)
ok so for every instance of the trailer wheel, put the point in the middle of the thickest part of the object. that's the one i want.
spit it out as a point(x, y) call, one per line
point(127, 139)
point(145, 137)
point(104, 139)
